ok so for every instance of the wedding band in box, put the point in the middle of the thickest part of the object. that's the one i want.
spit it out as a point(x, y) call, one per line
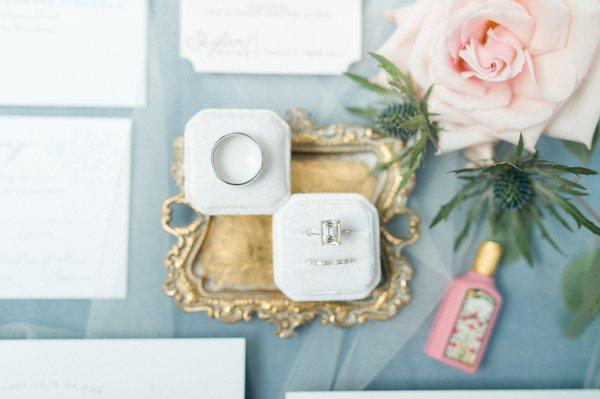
point(344, 265)
point(237, 161)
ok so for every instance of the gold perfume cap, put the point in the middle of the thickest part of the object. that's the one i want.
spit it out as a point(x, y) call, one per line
point(487, 258)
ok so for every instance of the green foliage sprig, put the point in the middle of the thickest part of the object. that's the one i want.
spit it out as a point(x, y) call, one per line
point(581, 278)
point(581, 290)
point(405, 115)
point(515, 193)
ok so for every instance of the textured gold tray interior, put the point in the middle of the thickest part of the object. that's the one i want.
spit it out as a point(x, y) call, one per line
point(237, 252)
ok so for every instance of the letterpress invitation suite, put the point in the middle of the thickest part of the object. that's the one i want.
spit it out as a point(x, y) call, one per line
point(64, 207)
point(73, 53)
point(131, 369)
point(319, 37)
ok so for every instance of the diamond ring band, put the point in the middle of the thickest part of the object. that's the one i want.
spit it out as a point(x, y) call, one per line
point(332, 262)
point(330, 232)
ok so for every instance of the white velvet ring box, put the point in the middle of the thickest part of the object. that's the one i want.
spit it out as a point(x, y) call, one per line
point(294, 249)
point(212, 196)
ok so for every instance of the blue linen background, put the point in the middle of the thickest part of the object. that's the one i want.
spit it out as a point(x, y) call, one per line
point(529, 349)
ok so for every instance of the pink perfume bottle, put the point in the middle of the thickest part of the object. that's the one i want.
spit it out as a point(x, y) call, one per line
point(467, 314)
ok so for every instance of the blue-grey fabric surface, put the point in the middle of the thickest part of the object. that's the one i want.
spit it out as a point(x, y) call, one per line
point(528, 350)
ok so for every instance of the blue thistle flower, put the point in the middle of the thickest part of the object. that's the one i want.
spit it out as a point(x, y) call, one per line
point(393, 116)
point(512, 188)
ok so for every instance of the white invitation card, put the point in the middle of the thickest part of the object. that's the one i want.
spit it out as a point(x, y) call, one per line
point(318, 37)
point(64, 207)
point(495, 394)
point(73, 53)
point(132, 369)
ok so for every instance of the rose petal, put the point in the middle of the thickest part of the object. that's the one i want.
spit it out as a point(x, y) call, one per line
point(457, 19)
point(552, 25)
point(397, 48)
point(498, 60)
point(577, 119)
point(518, 61)
point(418, 61)
point(509, 14)
point(400, 15)
point(442, 70)
point(520, 114)
point(530, 135)
point(584, 34)
point(495, 97)
point(409, 19)
point(480, 154)
point(447, 112)
point(458, 137)
point(523, 85)
point(555, 75)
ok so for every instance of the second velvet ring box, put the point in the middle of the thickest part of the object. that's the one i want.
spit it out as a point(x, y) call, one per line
point(225, 146)
point(325, 246)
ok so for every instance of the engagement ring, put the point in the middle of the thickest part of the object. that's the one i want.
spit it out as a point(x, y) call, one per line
point(330, 232)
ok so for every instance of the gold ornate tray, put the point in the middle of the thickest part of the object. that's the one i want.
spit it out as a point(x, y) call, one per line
point(222, 265)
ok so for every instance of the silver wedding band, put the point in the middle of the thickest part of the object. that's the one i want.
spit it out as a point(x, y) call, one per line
point(215, 168)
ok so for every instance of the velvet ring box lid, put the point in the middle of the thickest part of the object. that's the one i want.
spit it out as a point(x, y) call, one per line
point(221, 146)
point(312, 267)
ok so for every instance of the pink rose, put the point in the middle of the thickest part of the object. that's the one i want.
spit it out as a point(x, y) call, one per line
point(503, 67)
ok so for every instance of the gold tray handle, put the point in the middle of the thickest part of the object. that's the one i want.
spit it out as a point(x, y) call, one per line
point(413, 226)
point(167, 211)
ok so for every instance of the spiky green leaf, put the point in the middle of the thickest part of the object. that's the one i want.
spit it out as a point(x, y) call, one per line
point(520, 147)
point(576, 170)
point(367, 84)
point(388, 66)
point(554, 213)
point(465, 192)
point(572, 210)
point(472, 216)
point(522, 231)
point(537, 216)
point(581, 290)
point(368, 113)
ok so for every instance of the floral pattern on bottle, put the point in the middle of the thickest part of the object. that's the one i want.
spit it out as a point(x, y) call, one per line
point(471, 327)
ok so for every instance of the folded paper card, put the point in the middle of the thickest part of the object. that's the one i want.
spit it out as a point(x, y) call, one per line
point(73, 53)
point(132, 369)
point(64, 207)
point(496, 394)
point(271, 36)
